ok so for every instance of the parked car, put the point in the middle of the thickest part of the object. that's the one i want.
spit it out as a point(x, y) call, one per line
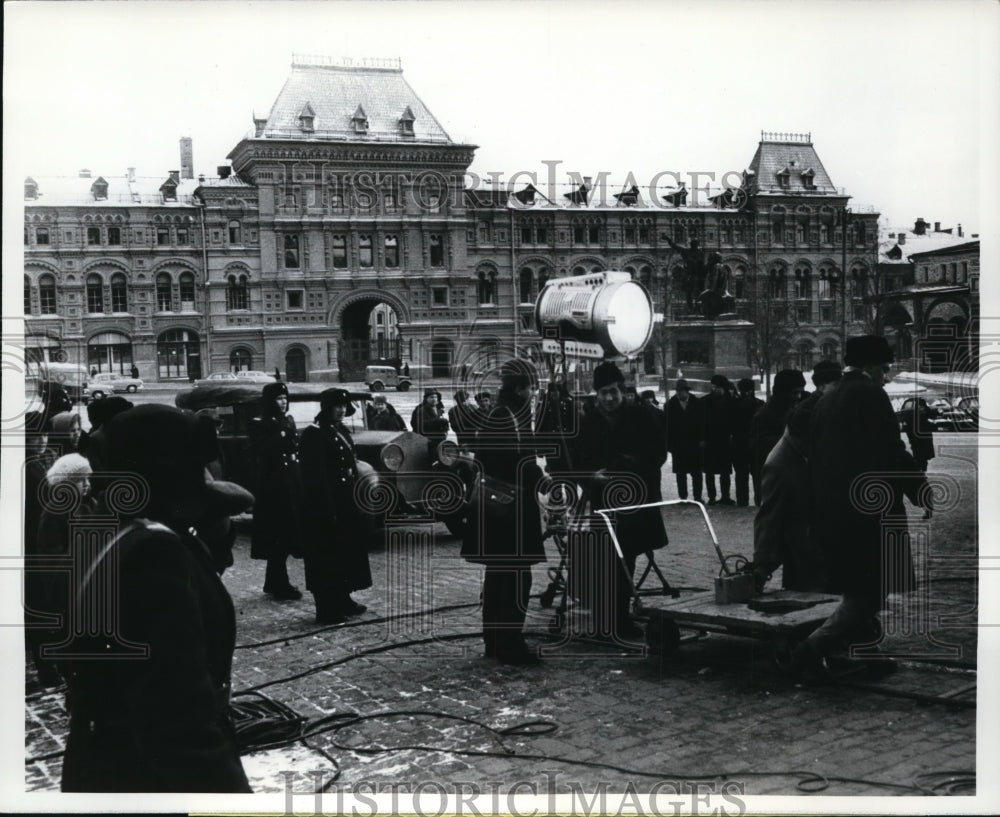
point(379, 378)
point(962, 415)
point(407, 481)
point(217, 378)
point(111, 382)
point(70, 376)
point(255, 377)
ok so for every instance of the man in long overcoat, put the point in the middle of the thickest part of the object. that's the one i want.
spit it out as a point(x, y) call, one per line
point(337, 532)
point(744, 407)
point(685, 438)
point(769, 423)
point(718, 459)
point(859, 469)
point(277, 511)
point(781, 526)
point(623, 442)
point(504, 532)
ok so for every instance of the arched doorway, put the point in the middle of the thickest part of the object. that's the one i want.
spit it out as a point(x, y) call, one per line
point(441, 358)
point(110, 352)
point(369, 335)
point(296, 368)
point(178, 355)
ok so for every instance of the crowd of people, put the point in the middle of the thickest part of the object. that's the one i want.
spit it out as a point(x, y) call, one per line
point(796, 457)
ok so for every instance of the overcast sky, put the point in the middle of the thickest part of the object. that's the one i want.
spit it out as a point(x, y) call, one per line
point(894, 92)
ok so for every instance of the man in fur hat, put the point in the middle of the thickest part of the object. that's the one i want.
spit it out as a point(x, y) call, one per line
point(853, 441)
point(428, 420)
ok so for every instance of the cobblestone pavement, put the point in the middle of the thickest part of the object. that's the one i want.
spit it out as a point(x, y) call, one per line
point(433, 709)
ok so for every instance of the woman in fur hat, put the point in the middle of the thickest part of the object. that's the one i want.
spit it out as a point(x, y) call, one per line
point(277, 511)
point(338, 534)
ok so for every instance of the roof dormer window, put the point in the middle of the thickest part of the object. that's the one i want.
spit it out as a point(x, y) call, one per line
point(360, 121)
point(807, 179)
point(30, 188)
point(169, 190)
point(783, 177)
point(99, 189)
point(307, 118)
point(406, 122)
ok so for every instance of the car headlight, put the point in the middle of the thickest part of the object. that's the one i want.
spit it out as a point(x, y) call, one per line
point(447, 453)
point(392, 457)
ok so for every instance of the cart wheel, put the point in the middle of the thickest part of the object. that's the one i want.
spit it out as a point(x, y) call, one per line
point(662, 633)
point(547, 597)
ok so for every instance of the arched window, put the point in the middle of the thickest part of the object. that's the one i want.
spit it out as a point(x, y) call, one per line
point(524, 282)
point(237, 296)
point(240, 360)
point(27, 295)
point(164, 297)
point(365, 250)
point(737, 284)
point(828, 350)
point(858, 282)
point(803, 283)
point(339, 244)
point(487, 285)
point(291, 251)
point(646, 277)
point(804, 356)
point(235, 232)
point(119, 293)
point(391, 251)
point(187, 291)
point(776, 282)
point(826, 283)
point(46, 295)
point(110, 352)
point(95, 294)
point(778, 227)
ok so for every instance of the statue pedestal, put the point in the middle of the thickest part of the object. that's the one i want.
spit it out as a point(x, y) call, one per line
point(701, 348)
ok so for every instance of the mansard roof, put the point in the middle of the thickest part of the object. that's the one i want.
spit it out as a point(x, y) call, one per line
point(795, 155)
point(337, 94)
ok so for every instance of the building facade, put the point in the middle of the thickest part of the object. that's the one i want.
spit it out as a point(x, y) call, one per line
point(349, 202)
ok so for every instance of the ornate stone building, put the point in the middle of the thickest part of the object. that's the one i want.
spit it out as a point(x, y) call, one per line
point(350, 199)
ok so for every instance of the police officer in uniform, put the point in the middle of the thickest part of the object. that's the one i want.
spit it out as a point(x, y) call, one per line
point(336, 558)
point(277, 512)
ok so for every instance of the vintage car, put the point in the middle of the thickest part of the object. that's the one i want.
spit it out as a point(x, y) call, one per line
point(405, 481)
point(379, 378)
point(945, 415)
point(255, 377)
point(111, 382)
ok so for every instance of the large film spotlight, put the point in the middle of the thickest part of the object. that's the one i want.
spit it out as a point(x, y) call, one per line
point(603, 309)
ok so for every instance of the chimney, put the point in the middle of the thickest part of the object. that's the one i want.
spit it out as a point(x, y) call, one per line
point(187, 158)
point(937, 226)
point(175, 176)
point(920, 227)
point(130, 172)
point(960, 233)
point(258, 127)
point(84, 173)
point(223, 171)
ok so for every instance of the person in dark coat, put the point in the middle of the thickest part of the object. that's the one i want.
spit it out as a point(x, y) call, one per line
point(718, 451)
point(135, 371)
point(854, 437)
point(38, 459)
point(149, 683)
point(746, 405)
point(460, 419)
point(623, 440)
point(277, 508)
point(769, 423)
point(781, 526)
point(428, 419)
point(506, 536)
point(382, 416)
point(338, 535)
point(919, 430)
point(685, 438)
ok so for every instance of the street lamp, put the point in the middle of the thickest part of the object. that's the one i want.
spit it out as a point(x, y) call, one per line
point(844, 218)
